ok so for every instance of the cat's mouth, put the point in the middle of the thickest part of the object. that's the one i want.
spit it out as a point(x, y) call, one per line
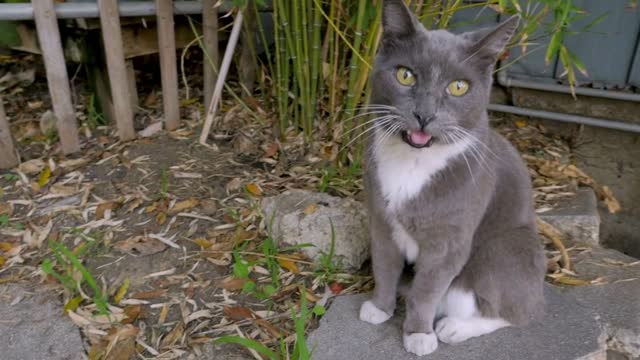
point(417, 138)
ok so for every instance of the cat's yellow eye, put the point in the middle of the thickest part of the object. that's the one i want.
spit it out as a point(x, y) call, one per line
point(405, 76)
point(458, 88)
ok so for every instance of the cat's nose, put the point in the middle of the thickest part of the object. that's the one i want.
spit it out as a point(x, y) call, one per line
point(423, 120)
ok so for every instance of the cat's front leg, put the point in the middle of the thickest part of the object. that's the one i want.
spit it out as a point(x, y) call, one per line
point(387, 262)
point(436, 266)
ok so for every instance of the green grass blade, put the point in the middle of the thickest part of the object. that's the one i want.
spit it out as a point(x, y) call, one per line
point(250, 344)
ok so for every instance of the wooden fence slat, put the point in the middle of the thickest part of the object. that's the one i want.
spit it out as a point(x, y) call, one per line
point(212, 55)
point(168, 68)
point(57, 77)
point(8, 158)
point(112, 38)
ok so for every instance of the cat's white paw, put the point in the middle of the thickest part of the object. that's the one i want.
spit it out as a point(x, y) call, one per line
point(420, 343)
point(452, 330)
point(371, 314)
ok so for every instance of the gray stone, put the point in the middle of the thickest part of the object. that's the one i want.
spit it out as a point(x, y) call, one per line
point(617, 301)
point(303, 217)
point(568, 332)
point(33, 327)
point(48, 123)
point(577, 218)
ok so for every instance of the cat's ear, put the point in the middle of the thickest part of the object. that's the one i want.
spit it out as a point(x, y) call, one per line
point(489, 43)
point(397, 21)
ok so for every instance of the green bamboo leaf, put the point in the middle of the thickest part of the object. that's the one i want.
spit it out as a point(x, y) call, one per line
point(248, 343)
point(554, 45)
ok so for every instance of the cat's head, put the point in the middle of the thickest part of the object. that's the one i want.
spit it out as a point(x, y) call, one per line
point(433, 85)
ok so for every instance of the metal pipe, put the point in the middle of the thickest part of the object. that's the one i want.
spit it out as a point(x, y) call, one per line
point(73, 10)
point(549, 115)
point(506, 81)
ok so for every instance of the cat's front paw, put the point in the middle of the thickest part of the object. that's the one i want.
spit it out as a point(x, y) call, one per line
point(420, 343)
point(371, 314)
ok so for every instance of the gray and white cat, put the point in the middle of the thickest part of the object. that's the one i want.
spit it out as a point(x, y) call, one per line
point(444, 191)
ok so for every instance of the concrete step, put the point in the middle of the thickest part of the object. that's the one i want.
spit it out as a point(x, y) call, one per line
point(33, 326)
point(568, 332)
point(591, 322)
point(577, 218)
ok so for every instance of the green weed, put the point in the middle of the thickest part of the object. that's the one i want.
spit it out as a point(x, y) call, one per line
point(300, 349)
point(67, 268)
point(94, 117)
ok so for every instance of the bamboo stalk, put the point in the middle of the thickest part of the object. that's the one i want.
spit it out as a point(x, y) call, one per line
point(224, 70)
point(282, 68)
point(316, 73)
point(354, 62)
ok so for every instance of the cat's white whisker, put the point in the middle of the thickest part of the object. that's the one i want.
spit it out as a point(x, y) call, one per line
point(476, 152)
point(475, 138)
point(366, 113)
point(377, 125)
point(381, 118)
point(454, 138)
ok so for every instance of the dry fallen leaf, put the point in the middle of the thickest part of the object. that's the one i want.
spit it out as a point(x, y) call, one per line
point(111, 205)
point(203, 243)
point(233, 284)
point(271, 149)
point(133, 312)
point(237, 313)
point(233, 185)
point(184, 205)
point(146, 295)
point(32, 167)
point(612, 203)
point(270, 328)
point(521, 123)
point(122, 343)
point(73, 304)
point(44, 176)
point(288, 264)
point(122, 291)
point(6, 209)
point(173, 336)
point(161, 218)
point(142, 244)
point(254, 189)
point(310, 209)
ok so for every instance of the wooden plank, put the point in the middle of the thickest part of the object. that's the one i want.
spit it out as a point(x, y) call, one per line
point(211, 59)
point(57, 77)
point(8, 158)
point(112, 38)
point(168, 68)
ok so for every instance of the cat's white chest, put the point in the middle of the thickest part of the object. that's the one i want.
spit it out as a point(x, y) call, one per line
point(403, 171)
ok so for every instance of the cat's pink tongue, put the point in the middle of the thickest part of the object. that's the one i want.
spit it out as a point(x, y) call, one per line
point(419, 137)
